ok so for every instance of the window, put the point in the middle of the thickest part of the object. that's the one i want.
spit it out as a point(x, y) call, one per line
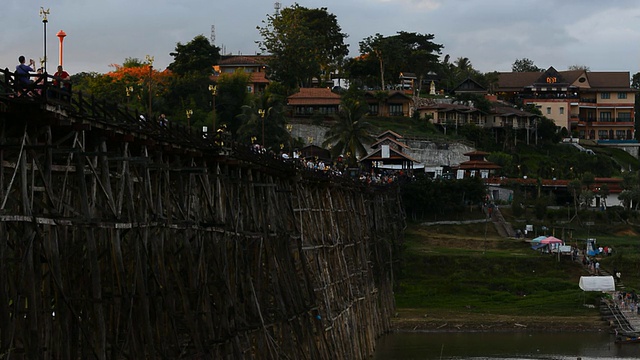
point(603, 134)
point(624, 116)
point(605, 116)
point(622, 95)
point(605, 95)
point(561, 110)
point(326, 110)
point(395, 109)
point(373, 109)
point(620, 134)
point(548, 111)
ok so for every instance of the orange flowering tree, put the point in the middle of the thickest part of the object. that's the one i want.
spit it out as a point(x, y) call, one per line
point(138, 84)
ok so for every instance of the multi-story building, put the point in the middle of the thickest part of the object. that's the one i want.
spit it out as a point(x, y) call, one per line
point(502, 116)
point(593, 105)
point(254, 65)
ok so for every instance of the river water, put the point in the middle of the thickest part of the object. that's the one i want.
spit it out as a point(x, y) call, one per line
point(561, 346)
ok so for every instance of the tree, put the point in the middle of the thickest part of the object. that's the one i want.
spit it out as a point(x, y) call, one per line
point(232, 96)
point(588, 179)
point(420, 55)
point(134, 83)
point(382, 49)
point(455, 73)
point(578, 67)
point(350, 132)
point(362, 71)
point(188, 92)
point(635, 83)
point(604, 192)
point(575, 188)
point(302, 42)
point(525, 65)
point(198, 55)
point(464, 65)
point(630, 194)
point(264, 114)
point(404, 51)
point(546, 131)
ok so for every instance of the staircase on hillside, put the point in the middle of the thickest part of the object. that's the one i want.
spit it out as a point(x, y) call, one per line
point(503, 227)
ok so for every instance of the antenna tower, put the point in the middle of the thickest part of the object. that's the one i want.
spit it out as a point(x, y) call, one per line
point(212, 38)
point(277, 6)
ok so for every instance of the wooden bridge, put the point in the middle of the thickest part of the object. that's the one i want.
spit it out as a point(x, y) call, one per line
point(123, 238)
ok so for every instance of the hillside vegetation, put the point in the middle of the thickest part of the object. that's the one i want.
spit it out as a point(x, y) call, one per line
point(457, 277)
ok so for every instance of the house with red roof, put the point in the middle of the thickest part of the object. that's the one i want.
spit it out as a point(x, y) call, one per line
point(254, 65)
point(477, 165)
point(450, 115)
point(389, 103)
point(388, 154)
point(313, 101)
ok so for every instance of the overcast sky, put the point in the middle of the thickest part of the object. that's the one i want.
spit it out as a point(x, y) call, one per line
point(603, 35)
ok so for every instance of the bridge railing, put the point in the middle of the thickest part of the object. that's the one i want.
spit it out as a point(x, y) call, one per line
point(46, 89)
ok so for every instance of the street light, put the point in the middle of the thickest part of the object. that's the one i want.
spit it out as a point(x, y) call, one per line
point(189, 112)
point(44, 13)
point(150, 62)
point(261, 113)
point(289, 128)
point(129, 90)
point(214, 92)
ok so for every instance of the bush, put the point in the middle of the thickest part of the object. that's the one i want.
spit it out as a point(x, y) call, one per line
point(517, 209)
point(541, 207)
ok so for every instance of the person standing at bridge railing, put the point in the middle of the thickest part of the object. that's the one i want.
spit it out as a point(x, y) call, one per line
point(22, 75)
point(62, 81)
point(23, 71)
point(40, 81)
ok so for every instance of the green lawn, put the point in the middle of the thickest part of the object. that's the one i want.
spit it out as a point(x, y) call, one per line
point(498, 276)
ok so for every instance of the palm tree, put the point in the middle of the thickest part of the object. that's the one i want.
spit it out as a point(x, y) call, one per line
point(263, 121)
point(350, 133)
point(463, 64)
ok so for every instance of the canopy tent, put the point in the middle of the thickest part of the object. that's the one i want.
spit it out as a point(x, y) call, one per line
point(551, 240)
point(597, 283)
point(538, 246)
point(538, 239)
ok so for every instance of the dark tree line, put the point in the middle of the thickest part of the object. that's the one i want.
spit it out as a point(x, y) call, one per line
point(427, 198)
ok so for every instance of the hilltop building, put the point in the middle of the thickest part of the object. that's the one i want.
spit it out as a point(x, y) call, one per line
point(594, 105)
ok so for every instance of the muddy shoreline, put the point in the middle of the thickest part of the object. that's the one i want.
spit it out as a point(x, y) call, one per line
point(497, 323)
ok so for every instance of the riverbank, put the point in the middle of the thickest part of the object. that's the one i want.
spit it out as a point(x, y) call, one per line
point(415, 320)
point(466, 278)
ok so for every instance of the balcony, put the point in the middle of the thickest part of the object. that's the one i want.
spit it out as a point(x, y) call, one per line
point(603, 121)
point(588, 101)
point(547, 95)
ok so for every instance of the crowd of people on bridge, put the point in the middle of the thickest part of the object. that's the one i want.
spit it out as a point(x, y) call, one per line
point(335, 168)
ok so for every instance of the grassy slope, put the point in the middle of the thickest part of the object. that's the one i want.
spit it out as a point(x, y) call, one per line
point(452, 279)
